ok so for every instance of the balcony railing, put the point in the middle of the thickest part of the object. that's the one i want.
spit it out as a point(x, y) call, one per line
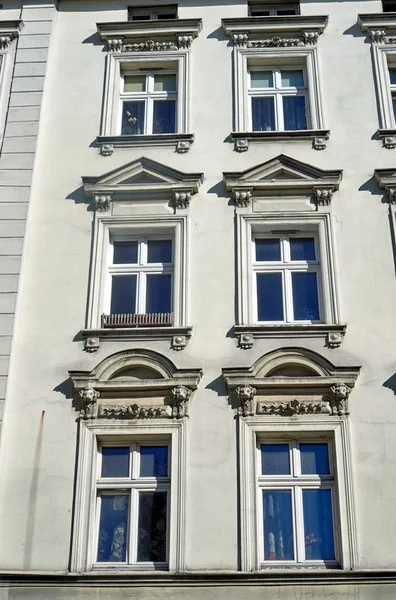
point(134, 320)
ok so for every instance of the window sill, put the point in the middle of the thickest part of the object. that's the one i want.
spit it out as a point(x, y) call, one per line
point(107, 143)
point(331, 334)
point(177, 336)
point(388, 137)
point(318, 137)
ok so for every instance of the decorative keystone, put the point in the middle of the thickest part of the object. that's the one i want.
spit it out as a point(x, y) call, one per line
point(179, 342)
point(241, 145)
point(310, 38)
point(334, 339)
point(323, 196)
point(91, 344)
point(377, 36)
point(242, 198)
point(245, 395)
point(182, 199)
point(389, 141)
point(246, 341)
point(89, 398)
point(183, 147)
point(340, 394)
point(181, 395)
point(319, 143)
point(391, 191)
point(240, 39)
point(115, 45)
point(184, 41)
point(106, 149)
point(102, 202)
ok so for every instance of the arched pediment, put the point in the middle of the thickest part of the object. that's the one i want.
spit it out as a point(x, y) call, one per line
point(283, 362)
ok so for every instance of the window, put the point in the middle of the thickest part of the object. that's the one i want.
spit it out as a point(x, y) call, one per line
point(152, 13)
point(388, 5)
point(278, 99)
point(392, 80)
point(133, 489)
point(148, 101)
point(286, 278)
point(267, 10)
point(141, 273)
point(296, 499)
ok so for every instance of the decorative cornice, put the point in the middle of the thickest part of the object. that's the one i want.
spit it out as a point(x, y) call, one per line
point(386, 179)
point(181, 141)
point(279, 31)
point(178, 337)
point(318, 137)
point(380, 27)
point(9, 30)
point(332, 335)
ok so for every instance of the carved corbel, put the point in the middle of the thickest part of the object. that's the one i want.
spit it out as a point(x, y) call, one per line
point(181, 395)
point(89, 398)
point(182, 198)
point(240, 39)
point(184, 41)
point(323, 196)
point(115, 45)
point(179, 342)
point(377, 36)
point(182, 147)
point(389, 141)
point(242, 198)
point(245, 395)
point(106, 149)
point(102, 202)
point(241, 145)
point(91, 344)
point(310, 38)
point(391, 191)
point(5, 41)
point(334, 339)
point(340, 394)
point(319, 142)
point(245, 341)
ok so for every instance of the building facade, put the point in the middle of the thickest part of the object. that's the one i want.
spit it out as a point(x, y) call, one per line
point(197, 279)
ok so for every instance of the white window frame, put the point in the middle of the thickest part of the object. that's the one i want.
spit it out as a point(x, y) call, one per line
point(384, 57)
point(319, 226)
point(92, 434)
point(118, 64)
point(256, 429)
point(267, 58)
point(125, 228)
point(273, 9)
point(152, 11)
point(296, 483)
point(148, 97)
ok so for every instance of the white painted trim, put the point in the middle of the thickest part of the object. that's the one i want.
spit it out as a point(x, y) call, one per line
point(381, 70)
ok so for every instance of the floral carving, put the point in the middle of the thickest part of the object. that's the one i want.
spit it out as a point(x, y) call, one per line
point(5, 41)
point(240, 39)
point(242, 198)
point(115, 45)
point(293, 407)
point(184, 41)
point(310, 38)
point(102, 202)
point(340, 394)
point(89, 398)
point(181, 395)
point(133, 411)
point(377, 36)
point(149, 45)
point(245, 395)
point(182, 199)
point(391, 191)
point(323, 196)
point(275, 42)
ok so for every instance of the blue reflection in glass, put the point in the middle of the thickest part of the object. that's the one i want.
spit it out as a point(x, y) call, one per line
point(159, 251)
point(302, 249)
point(132, 118)
point(113, 528)
point(152, 527)
point(158, 299)
point(314, 459)
point(275, 459)
point(115, 462)
point(125, 253)
point(153, 461)
point(392, 76)
point(318, 525)
point(263, 114)
point(294, 113)
point(269, 297)
point(123, 294)
point(305, 297)
point(164, 120)
point(278, 527)
point(268, 250)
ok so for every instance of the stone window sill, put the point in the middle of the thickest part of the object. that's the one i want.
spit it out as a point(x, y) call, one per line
point(178, 337)
point(318, 137)
point(181, 141)
point(331, 334)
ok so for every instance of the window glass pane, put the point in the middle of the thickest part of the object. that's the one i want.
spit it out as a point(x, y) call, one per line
point(269, 297)
point(318, 525)
point(263, 114)
point(164, 83)
point(261, 79)
point(159, 251)
point(259, 13)
point(164, 116)
point(153, 461)
point(275, 459)
point(294, 113)
point(314, 459)
point(152, 527)
point(113, 528)
point(115, 462)
point(392, 76)
point(284, 12)
point(167, 16)
point(278, 528)
point(132, 118)
point(268, 250)
point(305, 297)
point(302, 249)
point(159, 288)
point(135, 83)
point(292, 78)
point(123, 295)
point(125, 253)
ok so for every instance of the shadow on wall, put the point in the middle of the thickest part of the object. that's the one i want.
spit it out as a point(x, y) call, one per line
point(390, 383)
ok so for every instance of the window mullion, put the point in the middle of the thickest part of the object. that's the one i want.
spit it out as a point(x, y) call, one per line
point(149, 116)
point(299, 524)
point(141, 297)
point(133, 526)
point(288, 296)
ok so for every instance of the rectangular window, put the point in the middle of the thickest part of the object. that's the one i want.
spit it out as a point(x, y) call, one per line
point(296, 488)
point(133, 489)
point(392, 81)
point(148, 102)
point(286, 273)
point(152, 13)
point(268, 10)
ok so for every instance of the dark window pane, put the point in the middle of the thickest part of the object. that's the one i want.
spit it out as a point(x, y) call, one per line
point(152, 527)
point(263, 114)
point(115, 462)
point(305, 297)
point(278, 527)
point(294, 113)
point(269, 297)
point(125, 253)
point(159, 251)
point(284, 12)
point(318, 525)
point(164, 116)
point(259, 13)
point(123, 295)
point(314, 459)
point(302, 249)
point(132, 118)
point(113, 528)
point(292, 78)
point(392, 76)
point(159, 291)
point(268, 250)
point(153, 461)
point(275, 459)
point(166, 16)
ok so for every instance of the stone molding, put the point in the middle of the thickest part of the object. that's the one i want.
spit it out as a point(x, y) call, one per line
point(9, 31)
point(181, 141)
point(386, 180)
point(318, 137)
point(332, 335)
point(380, 27)
point(178, 337)
point(275, 32)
